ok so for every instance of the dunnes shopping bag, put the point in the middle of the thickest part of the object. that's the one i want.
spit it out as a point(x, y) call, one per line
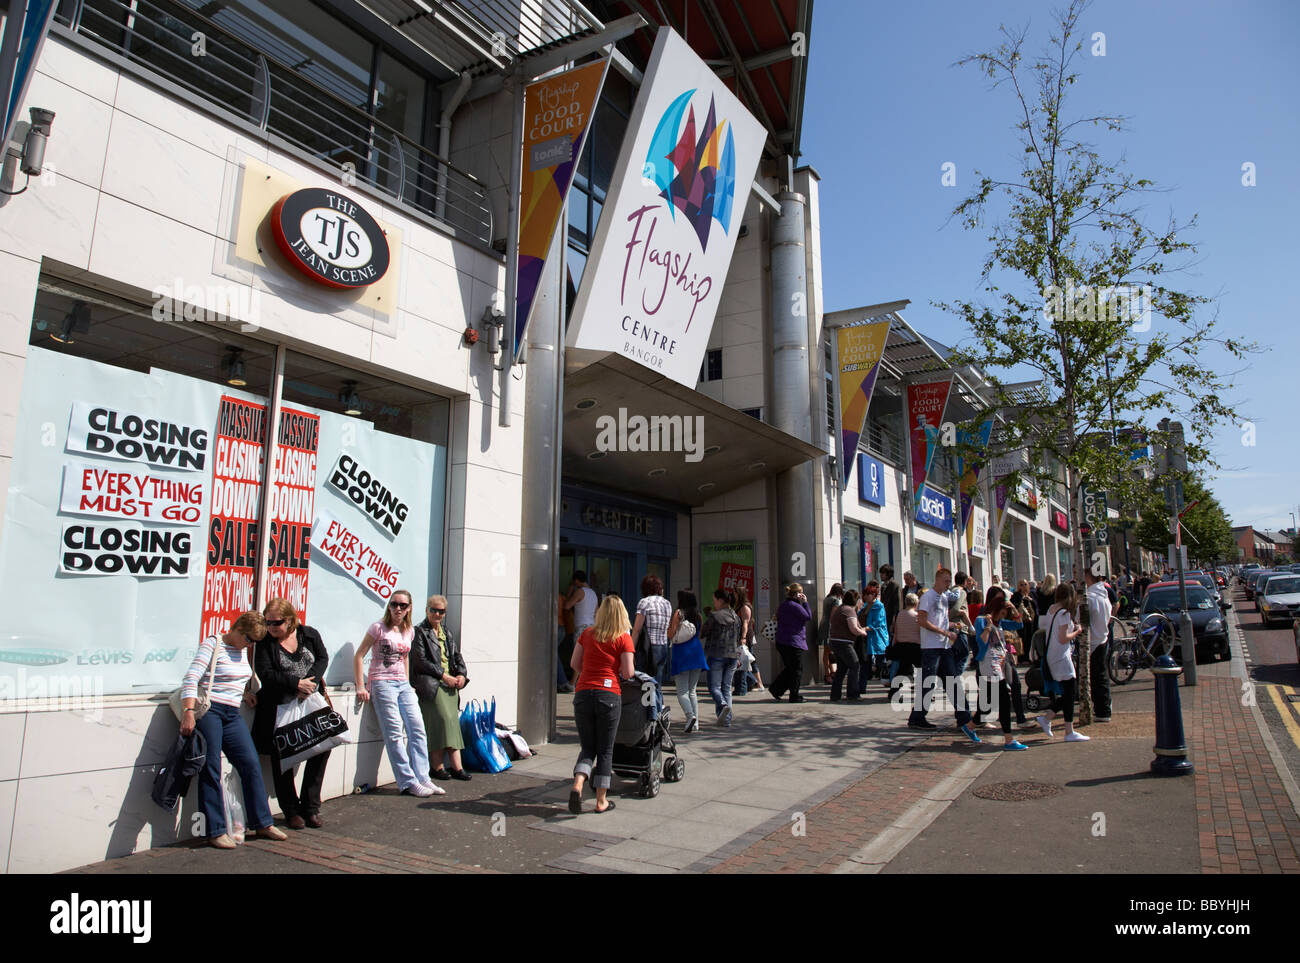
point(305, 728)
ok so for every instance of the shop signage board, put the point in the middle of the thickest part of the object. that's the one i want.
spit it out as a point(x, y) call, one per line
point(871, 480)
point(369, 493)
point(728, 565)
point(118, 549)
point(231, 573)
point(858, 350)
point(926, 402)
point(1060, 520)
point(355, 552)
point(660, 256)
point(96, 429)
point(293, 499)
point(111, 492)
point(1093, 515)
point(934, 509)
point(330, 238)
point(557, 118)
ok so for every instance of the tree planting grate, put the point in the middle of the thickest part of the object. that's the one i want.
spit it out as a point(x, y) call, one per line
point(1017, 791)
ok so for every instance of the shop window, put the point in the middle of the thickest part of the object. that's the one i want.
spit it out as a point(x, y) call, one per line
point(138, 505)
point(712, 365)
point(851, 555)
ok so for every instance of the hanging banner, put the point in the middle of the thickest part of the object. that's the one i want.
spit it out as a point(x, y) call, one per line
point(977, 533)
point(138, 496)
point(353, 551)
point(557, 117)
point(228, 582)
point(968, 471)
point(857, 360)
point(999, 511)
point(664, 243)
point(926, 403)
point(293, 501)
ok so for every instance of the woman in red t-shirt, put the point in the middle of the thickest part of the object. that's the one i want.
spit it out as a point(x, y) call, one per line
point(602, 655)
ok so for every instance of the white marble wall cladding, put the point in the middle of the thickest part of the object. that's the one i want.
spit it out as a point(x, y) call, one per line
point(141, 194)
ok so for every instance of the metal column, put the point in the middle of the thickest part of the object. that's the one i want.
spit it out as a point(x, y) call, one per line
point(791, 407)
point(539, 555)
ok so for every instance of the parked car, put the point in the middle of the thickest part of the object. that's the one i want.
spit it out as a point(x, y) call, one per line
point(1252, 578)
point(1280, 598)
point(1208, 626)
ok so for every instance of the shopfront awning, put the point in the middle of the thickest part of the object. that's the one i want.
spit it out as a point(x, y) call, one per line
point(605, 445)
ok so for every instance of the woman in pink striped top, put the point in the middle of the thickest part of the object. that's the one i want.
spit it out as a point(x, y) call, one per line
point(225, 731)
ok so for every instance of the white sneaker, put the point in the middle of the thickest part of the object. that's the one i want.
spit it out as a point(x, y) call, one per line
point(1076, 737)
point(437, 790)
point(1045, 724)
point(419, 789)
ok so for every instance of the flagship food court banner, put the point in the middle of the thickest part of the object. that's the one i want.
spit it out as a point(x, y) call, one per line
point(926, 403)
point(664, 243)
point(134, 517)
point(858, 350)
point(557, 117)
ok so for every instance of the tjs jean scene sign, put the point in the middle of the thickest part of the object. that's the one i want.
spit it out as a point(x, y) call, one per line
point(665, 240)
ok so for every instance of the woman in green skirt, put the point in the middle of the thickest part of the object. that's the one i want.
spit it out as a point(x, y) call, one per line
point(438, 674)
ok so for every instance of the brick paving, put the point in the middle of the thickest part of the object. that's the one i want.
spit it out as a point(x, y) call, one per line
point(1245, 819)
point(841, 826)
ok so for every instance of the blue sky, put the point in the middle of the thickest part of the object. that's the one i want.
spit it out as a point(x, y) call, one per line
point(1207, 87)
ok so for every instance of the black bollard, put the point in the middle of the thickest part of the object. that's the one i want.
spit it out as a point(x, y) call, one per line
point(1170, 748)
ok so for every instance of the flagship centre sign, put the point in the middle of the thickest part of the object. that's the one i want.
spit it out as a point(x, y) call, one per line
point(671, 218)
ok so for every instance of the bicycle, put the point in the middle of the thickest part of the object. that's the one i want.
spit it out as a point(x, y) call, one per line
point(1154, 637)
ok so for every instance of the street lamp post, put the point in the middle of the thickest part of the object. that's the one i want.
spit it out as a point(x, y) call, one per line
point(1110, 397)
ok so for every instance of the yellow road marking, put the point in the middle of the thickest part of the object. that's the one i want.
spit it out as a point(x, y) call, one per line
point(1286, 711)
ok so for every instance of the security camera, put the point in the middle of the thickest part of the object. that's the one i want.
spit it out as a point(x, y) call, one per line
point(34, 146)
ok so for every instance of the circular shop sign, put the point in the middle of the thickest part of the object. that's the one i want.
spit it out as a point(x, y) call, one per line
point(330, 238)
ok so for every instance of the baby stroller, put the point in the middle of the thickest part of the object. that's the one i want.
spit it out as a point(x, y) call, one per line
point(643, 748)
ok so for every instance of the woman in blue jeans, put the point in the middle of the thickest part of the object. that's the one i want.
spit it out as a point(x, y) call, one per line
point(224, 730)
point(396, 704)
point(688, 659)
point(721, 638)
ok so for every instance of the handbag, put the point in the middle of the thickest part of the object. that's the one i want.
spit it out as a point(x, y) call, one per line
point(685, 632)
point(305, 728)
point(203, 699)
point(483, 751)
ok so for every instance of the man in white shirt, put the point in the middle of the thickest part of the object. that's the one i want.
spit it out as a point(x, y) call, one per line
point(1099, 609)
point(937, 666)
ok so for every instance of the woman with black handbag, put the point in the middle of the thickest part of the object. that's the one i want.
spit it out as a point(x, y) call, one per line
point(290, 664)
point(438, 674)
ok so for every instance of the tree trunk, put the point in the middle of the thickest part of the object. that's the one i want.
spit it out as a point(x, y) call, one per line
point(1084, 564)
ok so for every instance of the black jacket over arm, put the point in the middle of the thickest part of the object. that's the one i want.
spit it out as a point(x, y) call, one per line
point(277, 686)
point(426, 661)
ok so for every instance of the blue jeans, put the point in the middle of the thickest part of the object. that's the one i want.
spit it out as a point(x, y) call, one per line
point(686, 683)
point(721, 674)
point(938, 668)
point(396, 705)
point(225, 732)
point(660, 656)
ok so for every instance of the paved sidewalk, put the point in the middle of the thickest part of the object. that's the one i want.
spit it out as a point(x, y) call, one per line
point(835, 788)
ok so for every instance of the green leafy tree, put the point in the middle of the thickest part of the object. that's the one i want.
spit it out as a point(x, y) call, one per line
point(1078, 289)
point(1207, 531)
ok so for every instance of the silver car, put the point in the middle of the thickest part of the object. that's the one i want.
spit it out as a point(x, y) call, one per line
point(1279, 598)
